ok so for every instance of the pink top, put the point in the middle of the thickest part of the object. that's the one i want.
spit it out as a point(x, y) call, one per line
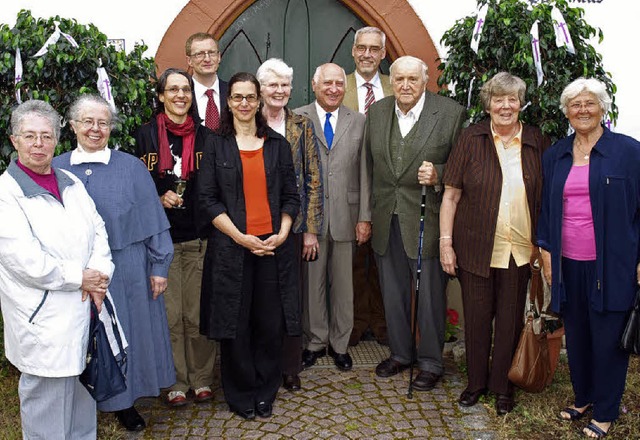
point(578, 234)
point(47, 181)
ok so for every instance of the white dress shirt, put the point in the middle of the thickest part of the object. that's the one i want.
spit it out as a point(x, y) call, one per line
point(408, 120)
point(322, 116)
point(378, 93)
point(202, 99)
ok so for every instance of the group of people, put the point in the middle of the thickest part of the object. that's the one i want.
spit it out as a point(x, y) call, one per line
point(249, 223)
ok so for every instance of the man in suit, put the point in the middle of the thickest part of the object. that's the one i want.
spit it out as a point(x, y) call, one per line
point(364, 87)
point(203, 56)
point(406, 144)
point(339, 130)
point(368, 51)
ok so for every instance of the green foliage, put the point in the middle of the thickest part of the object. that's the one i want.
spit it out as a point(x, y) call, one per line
point(505, 45)
point(65, 72)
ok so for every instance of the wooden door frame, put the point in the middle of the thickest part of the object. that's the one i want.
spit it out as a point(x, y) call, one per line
point(406, 34)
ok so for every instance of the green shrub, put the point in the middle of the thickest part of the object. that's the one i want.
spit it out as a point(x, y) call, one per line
point(63, 73)
point(506, 45)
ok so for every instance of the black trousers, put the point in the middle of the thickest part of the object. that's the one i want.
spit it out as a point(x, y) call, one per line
point(250, 363)
point(292, 345)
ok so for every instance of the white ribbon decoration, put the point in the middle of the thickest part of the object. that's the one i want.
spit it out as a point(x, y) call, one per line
point(535, 48)
point(563, 37)
point(478, 26)
point(470, 91)
point(18, 74)
point(104, 87)
point(53, 39)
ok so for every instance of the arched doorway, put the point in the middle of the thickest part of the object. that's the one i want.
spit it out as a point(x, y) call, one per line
point(406, 34)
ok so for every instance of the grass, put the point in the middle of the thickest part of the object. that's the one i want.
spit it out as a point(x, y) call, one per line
point(536, 415)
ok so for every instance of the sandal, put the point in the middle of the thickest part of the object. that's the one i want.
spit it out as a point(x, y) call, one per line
point(595, 429)
point(574, 414)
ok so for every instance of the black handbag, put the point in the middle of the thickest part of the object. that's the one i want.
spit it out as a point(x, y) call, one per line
point(630, 340)
point(104, 375)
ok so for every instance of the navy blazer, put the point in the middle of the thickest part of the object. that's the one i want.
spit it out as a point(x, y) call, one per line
point(614, 190)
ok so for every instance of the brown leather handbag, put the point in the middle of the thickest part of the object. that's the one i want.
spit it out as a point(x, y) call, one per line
point(530, 368)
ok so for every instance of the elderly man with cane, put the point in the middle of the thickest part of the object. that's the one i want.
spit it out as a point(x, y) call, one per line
point(407, 141)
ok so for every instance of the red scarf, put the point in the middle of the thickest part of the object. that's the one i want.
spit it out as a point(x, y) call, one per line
point(188, 133)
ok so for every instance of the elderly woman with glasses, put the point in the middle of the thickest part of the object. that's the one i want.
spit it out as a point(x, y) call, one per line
point(248, 192)
point(171, 146)
point(54, 255)
point(589, 232)
point(275, 79)
point(141, 248)
point(488, 218)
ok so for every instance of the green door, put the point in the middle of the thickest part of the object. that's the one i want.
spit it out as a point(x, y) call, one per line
point(304, 33)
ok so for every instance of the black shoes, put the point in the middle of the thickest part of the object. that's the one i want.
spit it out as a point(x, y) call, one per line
point(426, 381)
point(504, 404)
point(264, 409)
point(247, 414)
point(291, 382)
point(130, 419)
point(341, 360)
point(309, 357)
point(470, 398)
point(390, 367)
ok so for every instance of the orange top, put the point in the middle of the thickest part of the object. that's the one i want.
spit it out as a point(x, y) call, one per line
point(256, 201)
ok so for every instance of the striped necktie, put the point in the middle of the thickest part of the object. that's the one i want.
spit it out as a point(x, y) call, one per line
point(369, 98)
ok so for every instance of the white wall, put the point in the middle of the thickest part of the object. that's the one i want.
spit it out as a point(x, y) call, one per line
point(146, 20)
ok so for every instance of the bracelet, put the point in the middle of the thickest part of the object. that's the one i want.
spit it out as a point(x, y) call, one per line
point(446, 237)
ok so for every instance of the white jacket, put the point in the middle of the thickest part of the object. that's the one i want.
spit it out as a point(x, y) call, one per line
point(44, 247)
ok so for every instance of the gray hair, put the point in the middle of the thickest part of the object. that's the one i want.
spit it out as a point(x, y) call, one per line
point(408, 60)
point(502, 84)
point(318, 72)
point(370, 30)
point(35, 107)
point(591, 85)
point(76, 107)
point(274, 67)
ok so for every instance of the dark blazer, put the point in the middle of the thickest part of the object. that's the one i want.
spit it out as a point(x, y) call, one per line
point(221, 191)
point(224, 93)
point(474, 167)
point(186, 224)
point(614, 191)
point(436, 131)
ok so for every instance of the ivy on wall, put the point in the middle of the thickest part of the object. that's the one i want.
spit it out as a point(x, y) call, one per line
point(505, 45)
point(64, 72)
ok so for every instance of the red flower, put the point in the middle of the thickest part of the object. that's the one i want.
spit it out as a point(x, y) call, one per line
point(452, 317)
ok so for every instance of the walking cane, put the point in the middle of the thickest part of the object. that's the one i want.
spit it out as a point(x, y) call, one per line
point(414, 354)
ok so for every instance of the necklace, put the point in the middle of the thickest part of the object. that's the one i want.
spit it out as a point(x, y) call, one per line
point(586, 155)
point(505, 145)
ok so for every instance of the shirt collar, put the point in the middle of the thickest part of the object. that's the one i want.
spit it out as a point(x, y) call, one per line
point(413, 112)
point(496, 136)
point(80, 155)
point(322, 112)
point(200, 89)
point(375, 81)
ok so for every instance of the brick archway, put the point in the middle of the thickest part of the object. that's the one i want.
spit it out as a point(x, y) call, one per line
point(406, 34)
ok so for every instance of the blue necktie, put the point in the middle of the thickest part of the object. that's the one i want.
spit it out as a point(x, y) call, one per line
point(328, 131)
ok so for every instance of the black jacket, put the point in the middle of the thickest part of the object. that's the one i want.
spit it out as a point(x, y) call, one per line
point(221, 191)
point(186, 224)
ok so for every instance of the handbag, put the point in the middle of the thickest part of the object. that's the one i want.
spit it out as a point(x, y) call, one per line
point(630, 341)
point(103, 375)
point(530, 368)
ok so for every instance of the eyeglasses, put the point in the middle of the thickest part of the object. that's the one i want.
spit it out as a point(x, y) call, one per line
point(275, 86)
point(373, 50)
point(251, 99)
point(589, 105)
point(175, 90)
point(199, 56)
point(90, 123)
point(31, 138)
